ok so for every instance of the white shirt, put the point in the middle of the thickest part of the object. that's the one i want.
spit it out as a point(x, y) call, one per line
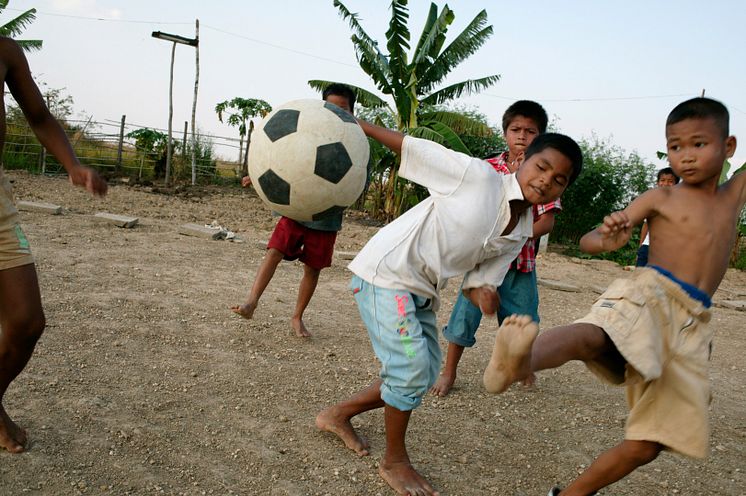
point(454, 231)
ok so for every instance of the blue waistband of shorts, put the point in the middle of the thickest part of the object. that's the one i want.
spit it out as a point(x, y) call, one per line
point(690, 289)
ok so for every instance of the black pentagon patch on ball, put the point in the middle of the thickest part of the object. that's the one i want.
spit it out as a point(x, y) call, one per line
point(329, 212)
point(275, 188)
point(345, 116)
point(281, 124)
point(332, 162)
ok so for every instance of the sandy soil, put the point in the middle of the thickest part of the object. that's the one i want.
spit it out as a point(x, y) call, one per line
point(145, 382)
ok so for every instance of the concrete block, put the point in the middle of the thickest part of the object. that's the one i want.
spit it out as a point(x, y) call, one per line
point(49, 208)
point(346, 255)
point(117, 220)
point(733, 304)
point(201, 231)
point(559, 286)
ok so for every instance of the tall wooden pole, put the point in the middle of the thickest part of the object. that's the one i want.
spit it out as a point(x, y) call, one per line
point(169, 147)
point(194, 104)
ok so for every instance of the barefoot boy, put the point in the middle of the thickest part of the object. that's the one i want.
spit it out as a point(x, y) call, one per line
point(21, 313)
point(310, 242)
point(474, 222)
point(650, 332)
point(522, 122)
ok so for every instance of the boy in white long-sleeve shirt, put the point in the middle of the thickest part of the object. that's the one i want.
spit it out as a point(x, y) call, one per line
point(473, 222)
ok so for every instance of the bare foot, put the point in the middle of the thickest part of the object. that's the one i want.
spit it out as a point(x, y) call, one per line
point(511, 356)
point(404, 479)
point(330, 420)
point(12, 437)
point(246, 310)
point(443, 385)
point(300, 328)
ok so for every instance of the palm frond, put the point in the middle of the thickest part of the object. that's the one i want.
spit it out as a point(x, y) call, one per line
point(432, 39)
point(458, 122)
point(463, 46)
point(363, 97)
point(397, 38)
point(14, 27)
point(30, 45)
point(456, 90)
point(450, 138)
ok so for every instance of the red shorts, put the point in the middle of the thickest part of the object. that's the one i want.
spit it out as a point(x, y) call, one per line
point(296, 241)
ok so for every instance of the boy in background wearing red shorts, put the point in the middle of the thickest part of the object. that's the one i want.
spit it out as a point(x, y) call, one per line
point(310, 242)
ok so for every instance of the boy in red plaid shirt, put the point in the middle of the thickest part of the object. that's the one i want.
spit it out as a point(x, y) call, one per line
point(522, 122)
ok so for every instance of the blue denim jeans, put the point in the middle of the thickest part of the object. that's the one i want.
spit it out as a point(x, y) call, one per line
point(402, 329)
point(518, 295)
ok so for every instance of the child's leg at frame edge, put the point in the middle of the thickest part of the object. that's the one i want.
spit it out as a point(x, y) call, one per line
point(22, 321)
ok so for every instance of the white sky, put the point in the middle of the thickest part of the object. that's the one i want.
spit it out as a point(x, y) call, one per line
point(613, 69)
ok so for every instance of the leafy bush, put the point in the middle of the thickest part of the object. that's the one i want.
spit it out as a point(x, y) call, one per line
point(610, 180)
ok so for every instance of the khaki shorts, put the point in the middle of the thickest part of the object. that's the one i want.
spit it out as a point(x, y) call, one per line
point(663, 335)
point(14, 247)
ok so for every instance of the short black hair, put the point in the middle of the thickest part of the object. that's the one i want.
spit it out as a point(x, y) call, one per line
point(563, 144)
point(670, 172)
point(529, 109)
point(701, 108)
point(339, 89)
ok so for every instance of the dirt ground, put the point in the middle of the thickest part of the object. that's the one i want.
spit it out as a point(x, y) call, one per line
point(145, 383)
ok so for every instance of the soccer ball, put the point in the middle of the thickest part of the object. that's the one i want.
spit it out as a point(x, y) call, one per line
point(308, 160)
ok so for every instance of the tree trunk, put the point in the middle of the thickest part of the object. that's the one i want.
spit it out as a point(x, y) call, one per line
point(194, 103)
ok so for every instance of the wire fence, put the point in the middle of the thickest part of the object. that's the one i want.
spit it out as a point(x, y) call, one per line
point(105, 145)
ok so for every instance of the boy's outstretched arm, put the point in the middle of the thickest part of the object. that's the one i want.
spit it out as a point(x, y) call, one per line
point(616, 228)
point(42, 122)
point(387, 137)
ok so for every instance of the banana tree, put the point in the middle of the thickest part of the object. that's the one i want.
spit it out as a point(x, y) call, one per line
point(15, 27)
point(243, 110)
point(413, 83)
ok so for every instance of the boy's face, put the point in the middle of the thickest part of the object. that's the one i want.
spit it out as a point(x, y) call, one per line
point(697, 149)
point(340, 101)
point(544, 176)
point(520, 133)
point(666, 181)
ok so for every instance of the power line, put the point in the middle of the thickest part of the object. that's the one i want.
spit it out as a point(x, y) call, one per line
point(598, 99)
point(317, 57)
point(279, 47)
point(86, 18)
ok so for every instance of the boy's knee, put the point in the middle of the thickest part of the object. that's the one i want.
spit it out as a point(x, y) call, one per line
point(26, 330)
point(643, 452)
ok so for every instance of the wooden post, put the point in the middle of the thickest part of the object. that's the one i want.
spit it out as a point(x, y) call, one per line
point(194, 103)
point(183, 144)
point(121, 145)
point(43, 160)
point(169, 146)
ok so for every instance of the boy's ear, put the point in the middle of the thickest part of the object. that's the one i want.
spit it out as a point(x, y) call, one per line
point(730, 146)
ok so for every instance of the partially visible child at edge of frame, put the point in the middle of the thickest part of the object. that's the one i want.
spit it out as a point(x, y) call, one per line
point(21, 312)
point(649, 332)
point(399, 272)
point(310, 242)
point(518, 293)
point(666, 179)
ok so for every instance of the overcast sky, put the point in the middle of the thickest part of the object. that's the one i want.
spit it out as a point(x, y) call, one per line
point(607, 68)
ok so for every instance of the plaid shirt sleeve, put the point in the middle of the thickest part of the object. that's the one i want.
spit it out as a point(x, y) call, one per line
point(526, 260)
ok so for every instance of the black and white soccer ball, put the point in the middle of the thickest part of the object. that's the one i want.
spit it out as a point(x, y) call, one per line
point(308, 159)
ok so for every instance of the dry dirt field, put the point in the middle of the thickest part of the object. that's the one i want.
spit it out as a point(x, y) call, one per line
point(145, 383)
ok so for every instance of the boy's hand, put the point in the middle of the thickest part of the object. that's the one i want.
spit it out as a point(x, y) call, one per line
point(485, 298)
point(88, 179)
point(615, 231)
point(245, 181)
